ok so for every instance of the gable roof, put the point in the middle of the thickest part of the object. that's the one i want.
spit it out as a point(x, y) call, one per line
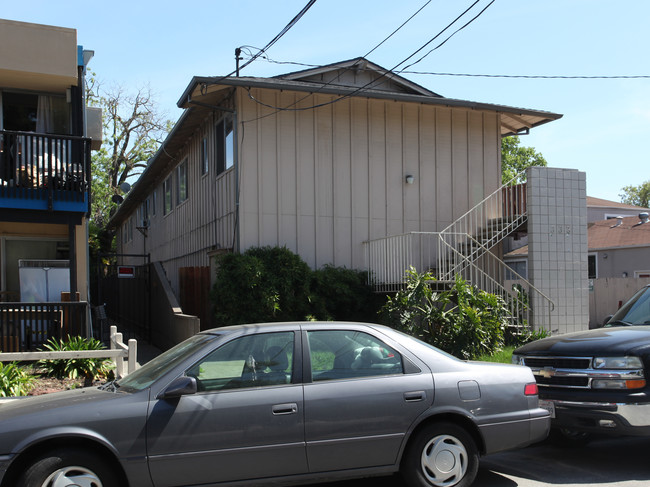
point(354, 77)
point(602, 203)
point(360, 77)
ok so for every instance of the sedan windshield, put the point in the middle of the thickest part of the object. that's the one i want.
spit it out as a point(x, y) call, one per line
point(148, 373)
point(635, 312)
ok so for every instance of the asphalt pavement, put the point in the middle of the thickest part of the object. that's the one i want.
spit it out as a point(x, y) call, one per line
point(620, 462)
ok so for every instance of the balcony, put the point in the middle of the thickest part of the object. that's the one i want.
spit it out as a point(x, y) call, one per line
point(44, 172)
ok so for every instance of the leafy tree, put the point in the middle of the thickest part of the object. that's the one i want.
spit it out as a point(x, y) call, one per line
point(515, 159)
point(133, 129)
point(636, 195)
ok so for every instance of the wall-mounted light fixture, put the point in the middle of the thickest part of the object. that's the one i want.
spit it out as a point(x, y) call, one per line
point(410, 179)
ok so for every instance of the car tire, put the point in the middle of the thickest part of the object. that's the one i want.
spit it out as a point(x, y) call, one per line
point(569, 438)
point(75, 465)
point(440, 455)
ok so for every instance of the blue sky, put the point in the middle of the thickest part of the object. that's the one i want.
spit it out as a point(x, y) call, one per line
point(606, 123)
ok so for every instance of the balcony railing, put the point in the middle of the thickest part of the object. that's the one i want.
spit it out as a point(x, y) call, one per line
point(44, 172)
point(27, 326)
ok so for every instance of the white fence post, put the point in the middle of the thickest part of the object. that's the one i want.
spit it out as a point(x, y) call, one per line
point(133, 355)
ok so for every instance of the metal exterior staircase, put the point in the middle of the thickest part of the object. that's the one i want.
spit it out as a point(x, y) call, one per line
point(468, 248)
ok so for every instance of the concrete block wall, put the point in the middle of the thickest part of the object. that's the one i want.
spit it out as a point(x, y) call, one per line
point(557, 239)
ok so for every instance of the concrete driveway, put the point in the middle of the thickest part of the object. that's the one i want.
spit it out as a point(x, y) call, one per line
point(621, 462)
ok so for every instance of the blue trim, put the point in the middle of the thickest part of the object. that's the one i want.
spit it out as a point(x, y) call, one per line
point(80, 55)
point(41, 204)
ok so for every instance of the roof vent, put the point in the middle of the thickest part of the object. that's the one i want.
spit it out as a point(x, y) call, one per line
point(643, 217)
point(619, 222)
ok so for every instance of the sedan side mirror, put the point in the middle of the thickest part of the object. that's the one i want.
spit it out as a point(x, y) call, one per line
point(181, 386)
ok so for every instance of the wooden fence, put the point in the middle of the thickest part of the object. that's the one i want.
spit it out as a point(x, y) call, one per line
point(124, 355)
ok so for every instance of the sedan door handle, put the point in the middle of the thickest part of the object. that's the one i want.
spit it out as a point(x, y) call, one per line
point(282, 409)
point(415, 396)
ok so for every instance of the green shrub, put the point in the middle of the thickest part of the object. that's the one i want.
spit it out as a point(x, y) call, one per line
point(464, 320)
point(14, 380)
point(262, 284)
point(343, 294)
point(274, 284)
point(88, 368)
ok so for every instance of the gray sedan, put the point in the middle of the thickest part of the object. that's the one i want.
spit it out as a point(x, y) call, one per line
point(280, 403)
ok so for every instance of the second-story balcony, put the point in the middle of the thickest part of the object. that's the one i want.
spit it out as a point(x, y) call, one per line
point(44, 172)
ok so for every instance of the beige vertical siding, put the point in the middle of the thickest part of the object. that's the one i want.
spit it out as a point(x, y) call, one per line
point(322, 181)
point(204, 222)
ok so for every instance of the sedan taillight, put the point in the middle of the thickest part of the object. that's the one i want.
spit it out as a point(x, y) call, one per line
point(531, 389)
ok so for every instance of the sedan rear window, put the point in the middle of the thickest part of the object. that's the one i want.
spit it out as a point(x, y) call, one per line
point(346, 354)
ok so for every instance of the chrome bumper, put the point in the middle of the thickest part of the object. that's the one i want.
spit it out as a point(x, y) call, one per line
point(635, 415)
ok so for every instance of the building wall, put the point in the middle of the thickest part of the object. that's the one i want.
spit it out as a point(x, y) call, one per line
point(202, 223)
point(39, 233)
point(557, 236)
point(614, 262)
point(322, 181)
point(37, 57)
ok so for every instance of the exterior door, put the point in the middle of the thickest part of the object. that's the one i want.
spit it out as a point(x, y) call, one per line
point(246, 421)
point(360, 402)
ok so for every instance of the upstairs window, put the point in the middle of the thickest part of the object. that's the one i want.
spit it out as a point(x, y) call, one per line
point(181, 182)
point(225, 144)
point(167, 196)
point(204, 155)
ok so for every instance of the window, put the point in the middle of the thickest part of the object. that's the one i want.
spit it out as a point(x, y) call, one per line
point(346, 354)
point(154, 203)
point(592, 268)
point(167, 196)
point(225, 144)
point(29, 112)
point(517, 266)
point(204, 155)
point(181, 182)
point(251, 361)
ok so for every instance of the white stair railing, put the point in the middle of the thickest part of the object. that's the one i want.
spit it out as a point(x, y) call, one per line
point(487, 223)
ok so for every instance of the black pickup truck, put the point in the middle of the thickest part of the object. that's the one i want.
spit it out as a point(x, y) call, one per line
point(596, 381)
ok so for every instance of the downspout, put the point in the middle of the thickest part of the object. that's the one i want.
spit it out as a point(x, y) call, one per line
point(235, 157)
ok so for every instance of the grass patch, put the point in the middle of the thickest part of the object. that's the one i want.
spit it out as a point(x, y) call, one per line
point(503, 357)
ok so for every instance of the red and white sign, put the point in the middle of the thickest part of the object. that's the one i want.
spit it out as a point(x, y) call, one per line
point(125, 271)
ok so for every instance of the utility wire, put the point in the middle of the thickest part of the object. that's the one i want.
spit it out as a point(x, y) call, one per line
point(452, 35)
point(383, 75)
point(273, 41)
point(323, 86)
point(525, 76)
point(282, 32)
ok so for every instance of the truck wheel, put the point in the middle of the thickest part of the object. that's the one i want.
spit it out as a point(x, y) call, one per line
point(440, 455)
point(67, 467)
point(569, 437)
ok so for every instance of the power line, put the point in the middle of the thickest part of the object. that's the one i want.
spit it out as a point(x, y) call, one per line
point(527, 76)
point(281, 33)
point(273, 41)
point(383, 75)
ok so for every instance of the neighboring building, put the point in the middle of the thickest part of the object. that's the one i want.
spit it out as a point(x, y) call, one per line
point(620, 247)
point(516, 246)
point(326, 161)
point(600, 209)
point(44, 182)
